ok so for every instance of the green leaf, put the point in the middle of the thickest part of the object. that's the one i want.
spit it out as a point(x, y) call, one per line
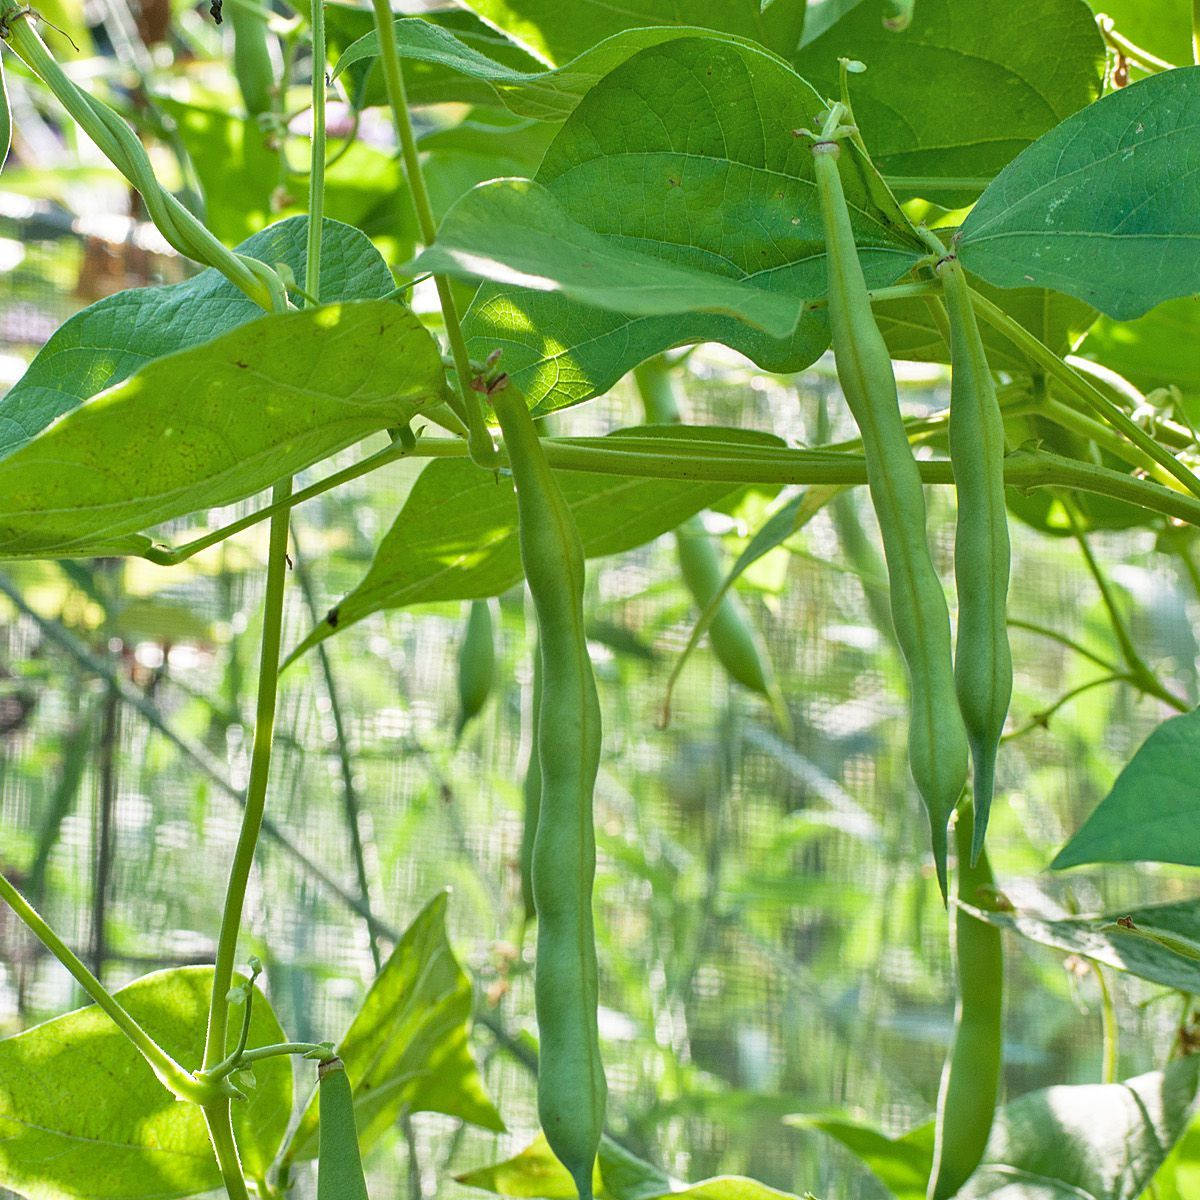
point(1001, 82)
point(408, 1048)
point(1087, 1141)
point(1076, 1142)
point(214, 424)
point(456, 536)
point(82, 1115)
point(514, 232)
point(1161, 349)
point(557, 32)
point(1163, 945)
point(1152, 813)
point(618, 1175)
point(106, 342)
point(690, 146)
point(1102, 207)
point(901, 1164)
point(1056, 320)
point(544, 94)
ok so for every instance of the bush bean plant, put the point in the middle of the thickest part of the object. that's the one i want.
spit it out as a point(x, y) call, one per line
point(590, 190)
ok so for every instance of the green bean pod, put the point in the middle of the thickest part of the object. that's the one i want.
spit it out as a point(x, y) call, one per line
point(571, 1084)
point(971, 1079)
point(476, 664)
point(5, 118)
point(252, 66)
point(729, 634)
point(937, 742)
point(339, 1165)
point(983, 672)
point(532, 795)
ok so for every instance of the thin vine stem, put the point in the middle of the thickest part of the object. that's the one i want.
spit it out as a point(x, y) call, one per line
point(1063, 640)
point(1042, 356)
point(1131, 50)
point(467, 405)
point(177, 1079)
point(1110, 1029)
point(1041, 719)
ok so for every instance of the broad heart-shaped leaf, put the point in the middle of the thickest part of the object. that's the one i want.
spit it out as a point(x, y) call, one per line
point(902, 1164)
point(456, 536)
point(618, 1175)
point(545, 94)
point(686, 153)
point(109, 340)
point(1161, 349)
point(81, 1114)
point(1056, 320)
point(1152, 813)
point(1003, 79)
point(1102, 207)
point(1086, 1141)
point(514, 232)
point(214, 424)
point(1162, 945)
point(558, 32)
point(407, 1048)
point(1075, 1142)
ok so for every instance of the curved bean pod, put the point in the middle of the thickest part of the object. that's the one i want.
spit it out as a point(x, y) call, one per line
point(571, 1086)
point(5, 119)
point(971, 1079)
point(937, 742)
point(983, 671)
point(339, 1166)
point(476, 664)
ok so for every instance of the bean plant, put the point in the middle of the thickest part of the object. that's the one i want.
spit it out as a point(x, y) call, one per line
point(590, 191)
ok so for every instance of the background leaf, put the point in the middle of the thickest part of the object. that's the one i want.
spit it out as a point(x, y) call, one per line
point(729, 190)
point(407, 1047)
point(1161, 349)
point(1002, 80)
point(214, 424)
point(1102, 207)
point(82, 1115)
point(901, 1164)
point(1152, 813)
point(109, 340)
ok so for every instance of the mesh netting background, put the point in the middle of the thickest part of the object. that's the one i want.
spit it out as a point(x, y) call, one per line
point(771, 940)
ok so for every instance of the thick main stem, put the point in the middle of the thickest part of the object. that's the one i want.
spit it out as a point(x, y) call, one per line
point(256, 791)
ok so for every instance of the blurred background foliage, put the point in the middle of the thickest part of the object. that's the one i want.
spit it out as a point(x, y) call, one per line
point(772, 940)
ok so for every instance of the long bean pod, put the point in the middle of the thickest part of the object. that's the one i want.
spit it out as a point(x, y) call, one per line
point(252, 66)
point(729, 633)
point(531, 793)
point(971, 1079)
point(983, 671)
point(571, 1086)
point(476, 664)
point(937, 742)
point(339, 1165)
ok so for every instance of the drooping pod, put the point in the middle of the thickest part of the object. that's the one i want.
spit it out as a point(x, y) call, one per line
point(531, 793)
point(476, 664)
point(339, 1164)
point(729, 633)
point(971, 1079)
point(252, 66)
point(937, 741)
point(572, 1090)
point(983, 671)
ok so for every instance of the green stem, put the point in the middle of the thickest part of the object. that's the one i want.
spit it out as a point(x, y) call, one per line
point(175, 1078)
point(1040, 719)
point(684, 459)
point(1045, 358)
point(1137, 665)
point(316, 175)
point(259, 1053)
point(256, 791)
point(1063, 640)
point(1130, 50)
point(467, 405)
point(937, 183)
point(219, 1119)
point(1111, 1030)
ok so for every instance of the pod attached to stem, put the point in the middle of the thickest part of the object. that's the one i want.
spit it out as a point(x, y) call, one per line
point(339, 1164)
